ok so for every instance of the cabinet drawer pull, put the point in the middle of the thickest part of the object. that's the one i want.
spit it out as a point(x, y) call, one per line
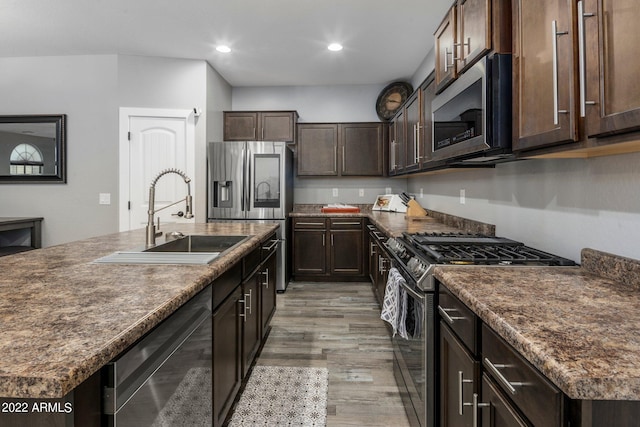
point(494, 369)
point(450, 320)
point(346, 223)
point(461, 382)
point(310, 223)
point(274, 243)
point(243, 314)
point(381, 267)
point(477, 405)
point(266, 280)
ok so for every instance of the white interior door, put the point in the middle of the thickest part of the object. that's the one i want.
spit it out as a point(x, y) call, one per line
point(155, 144)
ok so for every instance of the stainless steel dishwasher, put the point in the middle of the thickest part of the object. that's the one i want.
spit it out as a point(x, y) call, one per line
point(166, 377)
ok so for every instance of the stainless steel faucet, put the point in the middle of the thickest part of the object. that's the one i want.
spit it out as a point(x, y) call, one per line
point(151, 227)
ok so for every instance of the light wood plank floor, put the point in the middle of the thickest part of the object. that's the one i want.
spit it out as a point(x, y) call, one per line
point(338, 326)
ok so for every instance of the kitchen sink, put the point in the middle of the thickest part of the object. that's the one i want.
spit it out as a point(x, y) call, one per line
point(190, 249)
point(198, 243)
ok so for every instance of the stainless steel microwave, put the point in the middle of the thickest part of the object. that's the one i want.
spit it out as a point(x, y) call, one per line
point(472, 117)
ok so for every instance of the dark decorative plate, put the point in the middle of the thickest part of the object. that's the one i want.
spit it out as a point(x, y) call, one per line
point(391, 98)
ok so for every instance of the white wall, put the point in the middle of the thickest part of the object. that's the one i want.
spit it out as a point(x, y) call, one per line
point(90, 90)
point(85, 89)
point(339, 103)
point(323, 104)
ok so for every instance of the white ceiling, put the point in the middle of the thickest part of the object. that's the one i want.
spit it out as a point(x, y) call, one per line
point(274, 42)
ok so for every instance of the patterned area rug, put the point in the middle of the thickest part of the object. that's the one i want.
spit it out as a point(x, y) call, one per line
point(283, 396)
point(190, 404)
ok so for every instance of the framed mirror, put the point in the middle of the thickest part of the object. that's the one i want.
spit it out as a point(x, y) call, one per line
point(33, 149)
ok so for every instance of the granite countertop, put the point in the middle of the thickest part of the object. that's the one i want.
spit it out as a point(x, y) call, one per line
point(393, 224)
point(579, 326)
point(63, 317)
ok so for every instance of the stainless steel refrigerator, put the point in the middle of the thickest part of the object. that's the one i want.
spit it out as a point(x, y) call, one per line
point(253, 181)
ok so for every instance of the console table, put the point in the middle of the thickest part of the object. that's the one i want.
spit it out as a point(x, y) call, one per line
point(19, 234)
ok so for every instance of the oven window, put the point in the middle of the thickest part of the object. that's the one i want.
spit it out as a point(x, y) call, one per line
point(460, 118)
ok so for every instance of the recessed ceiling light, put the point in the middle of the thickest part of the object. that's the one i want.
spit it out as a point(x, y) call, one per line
point(223, 49)
point(335, 47)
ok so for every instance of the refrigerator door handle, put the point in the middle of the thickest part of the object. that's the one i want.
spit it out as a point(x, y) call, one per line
point(243, 184)
point(247, 183)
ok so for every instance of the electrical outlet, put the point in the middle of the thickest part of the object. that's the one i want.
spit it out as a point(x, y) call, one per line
point(361, 192)
point(463, 196)
point(387, 190)
point(104, 198)
point(421, 193)
point(335, 192)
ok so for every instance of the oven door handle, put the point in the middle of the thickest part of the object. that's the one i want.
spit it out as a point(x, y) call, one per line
point(413, 293)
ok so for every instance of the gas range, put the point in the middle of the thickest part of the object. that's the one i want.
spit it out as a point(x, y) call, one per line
point(417, 253)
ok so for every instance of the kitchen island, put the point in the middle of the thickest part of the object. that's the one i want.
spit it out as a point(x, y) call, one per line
point(63, 316)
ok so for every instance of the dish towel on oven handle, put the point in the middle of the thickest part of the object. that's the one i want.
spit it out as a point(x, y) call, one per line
point(394, 303)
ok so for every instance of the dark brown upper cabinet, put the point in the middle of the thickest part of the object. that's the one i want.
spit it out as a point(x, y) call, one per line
point(469, 30)
point(260, 125)
point(445, 49)
point(341, 149)
point(363, 148)
point(410, 132)
point(609, 44)
point(544, 109)
point(317, 149)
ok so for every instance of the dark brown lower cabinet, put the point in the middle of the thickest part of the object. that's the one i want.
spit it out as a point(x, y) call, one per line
point(251, 320)
point(498, 412)
point(268, 292)
point(346, 252)
point(329, 248)
point(310, 255)
point(227, 359)
point(459, 381)
point(379, 263)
